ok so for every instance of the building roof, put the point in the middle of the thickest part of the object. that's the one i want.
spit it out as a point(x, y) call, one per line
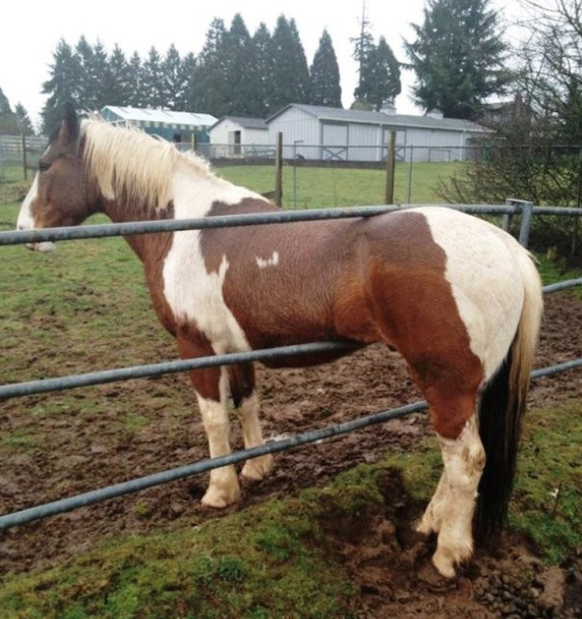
point(245, 122)
point(375, 118)
point(162, 116)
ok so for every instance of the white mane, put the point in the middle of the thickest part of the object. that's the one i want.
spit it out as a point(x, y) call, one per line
point(130, 164)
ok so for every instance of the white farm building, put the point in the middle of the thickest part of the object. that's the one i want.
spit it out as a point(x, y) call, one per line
point(233, 136)
point(325, 133)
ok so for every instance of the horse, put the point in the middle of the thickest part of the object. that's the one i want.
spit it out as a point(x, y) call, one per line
point(456, 296)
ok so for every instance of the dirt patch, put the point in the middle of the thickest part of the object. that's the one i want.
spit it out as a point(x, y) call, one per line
point(89, 451)
point(389, 563)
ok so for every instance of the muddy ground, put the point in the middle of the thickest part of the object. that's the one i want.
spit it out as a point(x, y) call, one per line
point(383, 558)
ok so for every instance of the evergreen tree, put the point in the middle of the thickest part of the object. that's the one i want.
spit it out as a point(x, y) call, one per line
point(265, 68)
point(8, 119)
point(325, 76)
point(119, 79)
point(93, 68)
point(363, 47)
point(62, 87)
point(153, 84)
point(174, 78)
point(242, 73)
point(185, 98)
point(24, 122)
point(212, 92)
point(137, 95)
point(100, 77)
point(290, 82)
point(458, 57)
point(380, 77)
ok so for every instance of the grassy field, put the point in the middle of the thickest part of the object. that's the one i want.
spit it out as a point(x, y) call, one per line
point(272, 560)
point(305, 187)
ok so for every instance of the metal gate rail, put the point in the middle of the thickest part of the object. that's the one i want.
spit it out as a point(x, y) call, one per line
point(156, 479)
point(70, 233)
point(171, 367)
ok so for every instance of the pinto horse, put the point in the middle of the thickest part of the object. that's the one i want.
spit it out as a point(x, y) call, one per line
point(457, 297)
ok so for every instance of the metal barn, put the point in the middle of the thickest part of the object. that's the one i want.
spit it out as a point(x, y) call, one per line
point(234, 136)
point(315, 132)
point(173, 126)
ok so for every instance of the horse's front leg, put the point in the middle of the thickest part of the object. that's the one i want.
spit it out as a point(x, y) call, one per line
point(211, 386)
point(246, 401)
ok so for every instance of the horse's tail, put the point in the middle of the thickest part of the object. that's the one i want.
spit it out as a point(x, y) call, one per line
point(502, 405)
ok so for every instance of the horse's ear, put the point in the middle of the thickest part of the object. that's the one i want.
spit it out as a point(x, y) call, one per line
point(69, 129)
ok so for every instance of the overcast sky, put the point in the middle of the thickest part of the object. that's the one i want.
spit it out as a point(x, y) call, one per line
point(30, 33)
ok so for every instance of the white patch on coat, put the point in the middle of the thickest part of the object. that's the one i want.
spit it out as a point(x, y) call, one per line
point(273, 261)
point(26, 220)
point(450, 511)
point(193, 294)
point(483, 268)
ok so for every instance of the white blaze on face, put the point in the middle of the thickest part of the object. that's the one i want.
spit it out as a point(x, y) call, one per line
point(194, 294)
point(26, 220)
point(273, 261)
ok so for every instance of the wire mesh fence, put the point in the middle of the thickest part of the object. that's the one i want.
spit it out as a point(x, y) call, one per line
point(19, 156)
point(328, 175)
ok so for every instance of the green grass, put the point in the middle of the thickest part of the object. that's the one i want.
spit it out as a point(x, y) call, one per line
point(548, 494)
point(266, 561)
point(305, 187)
point(557, 271)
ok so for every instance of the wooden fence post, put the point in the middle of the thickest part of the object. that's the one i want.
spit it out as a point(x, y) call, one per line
point(279, 170)
point(390, 168)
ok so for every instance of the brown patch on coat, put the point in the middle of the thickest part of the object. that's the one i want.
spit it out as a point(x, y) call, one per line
point(362, 280)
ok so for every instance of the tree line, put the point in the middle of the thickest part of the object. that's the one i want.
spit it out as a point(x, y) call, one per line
point(235, 73)
point(458, 57)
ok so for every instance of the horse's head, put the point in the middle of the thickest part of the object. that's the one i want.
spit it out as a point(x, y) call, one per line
point(58, 195)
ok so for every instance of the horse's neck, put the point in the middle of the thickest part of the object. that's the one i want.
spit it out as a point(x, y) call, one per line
point(145, 246)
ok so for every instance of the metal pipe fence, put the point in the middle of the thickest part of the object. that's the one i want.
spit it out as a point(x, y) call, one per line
point(513, 207)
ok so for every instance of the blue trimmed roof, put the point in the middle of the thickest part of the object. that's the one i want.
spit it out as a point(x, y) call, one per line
point(162, 116)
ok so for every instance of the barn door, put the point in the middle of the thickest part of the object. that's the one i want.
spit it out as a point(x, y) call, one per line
point(334, 142)
point(400, 144)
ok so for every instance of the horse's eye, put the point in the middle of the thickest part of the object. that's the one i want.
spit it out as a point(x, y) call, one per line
point(43, 166)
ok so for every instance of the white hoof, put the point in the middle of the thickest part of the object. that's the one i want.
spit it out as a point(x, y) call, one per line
point(444, 565)
point(446, 559)
point(220, 496)
point(257, 468)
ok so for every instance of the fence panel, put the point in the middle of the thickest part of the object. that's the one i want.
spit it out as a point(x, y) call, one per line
point(513, 207)
point(19, 154)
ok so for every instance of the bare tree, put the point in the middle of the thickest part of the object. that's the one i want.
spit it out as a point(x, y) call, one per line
point(535, 152)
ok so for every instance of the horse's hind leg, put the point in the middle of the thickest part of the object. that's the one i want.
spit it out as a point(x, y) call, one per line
point(450, 511)
point(246, 401)
point(451, 391)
